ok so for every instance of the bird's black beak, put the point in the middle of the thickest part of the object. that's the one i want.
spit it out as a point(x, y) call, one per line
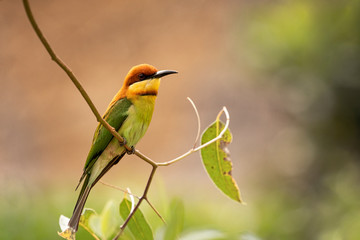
point(163, 73)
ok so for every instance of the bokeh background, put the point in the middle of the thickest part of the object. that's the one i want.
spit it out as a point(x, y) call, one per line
point(288, 72)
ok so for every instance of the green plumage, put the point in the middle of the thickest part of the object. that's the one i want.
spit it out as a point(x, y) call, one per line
point(115, 116)
point(131, 120)
point(130, 116)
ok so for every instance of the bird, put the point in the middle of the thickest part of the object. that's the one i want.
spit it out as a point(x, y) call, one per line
point(129, 113)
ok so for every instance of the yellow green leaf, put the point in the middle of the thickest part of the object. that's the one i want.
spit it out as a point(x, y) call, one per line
point(217, 161)
point(175, 223)
point(137, 224)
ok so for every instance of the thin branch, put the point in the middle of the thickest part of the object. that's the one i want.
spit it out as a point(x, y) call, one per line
point(198, 121)
point(70, 74)
point(224, 110)
point(143, 197)
point(118, 188)
point(145, 158)
point(155, 210)
point(131, 194)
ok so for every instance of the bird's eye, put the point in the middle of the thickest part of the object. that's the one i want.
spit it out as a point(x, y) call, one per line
point(142, 76)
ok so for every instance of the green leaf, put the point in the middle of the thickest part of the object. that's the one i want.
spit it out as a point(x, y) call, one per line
point(87, 213)
point(217, 162)
point(175, 223)
point(137, 224)
point(110, 221)
point(84, 221)
point(103, 226)
point(95, 226)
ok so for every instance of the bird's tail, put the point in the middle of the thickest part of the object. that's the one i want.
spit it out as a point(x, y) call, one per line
point(85, 190)
point(84, 193)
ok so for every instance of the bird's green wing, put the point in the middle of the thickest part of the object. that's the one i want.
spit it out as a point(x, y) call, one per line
point(115, 116)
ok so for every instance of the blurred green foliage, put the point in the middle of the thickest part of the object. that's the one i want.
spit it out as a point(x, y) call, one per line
point(331, 215)
point(309, 51)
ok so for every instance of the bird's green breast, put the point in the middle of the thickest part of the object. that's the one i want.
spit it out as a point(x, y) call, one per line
point(138, 120)
point(133, 129)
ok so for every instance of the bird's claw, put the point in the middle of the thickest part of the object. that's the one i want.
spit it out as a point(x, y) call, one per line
point(123, 143)
point(132, 151)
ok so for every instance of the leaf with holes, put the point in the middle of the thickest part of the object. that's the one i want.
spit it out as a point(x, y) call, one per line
point(217, 162)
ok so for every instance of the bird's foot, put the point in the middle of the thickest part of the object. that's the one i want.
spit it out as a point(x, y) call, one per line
point(123, 143)
point(132, 151)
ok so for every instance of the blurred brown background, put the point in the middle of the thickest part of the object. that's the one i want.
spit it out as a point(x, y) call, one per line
point(288, 72)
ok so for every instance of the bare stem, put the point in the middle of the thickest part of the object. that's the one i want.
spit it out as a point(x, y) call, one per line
point(198, 121)
point(155, 210)
point(224, 110)
point(131, 194)
point(70, 74)
point(142, 198)
point(118, 188)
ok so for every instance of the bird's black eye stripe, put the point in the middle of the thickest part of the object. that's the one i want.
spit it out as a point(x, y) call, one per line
point(142, 76)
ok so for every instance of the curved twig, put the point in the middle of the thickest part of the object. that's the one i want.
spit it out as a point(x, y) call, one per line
point(198, 121)
point(192, 150)
point(224, 110)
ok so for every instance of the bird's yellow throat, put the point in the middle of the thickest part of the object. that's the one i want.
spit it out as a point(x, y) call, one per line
point(144, 88)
